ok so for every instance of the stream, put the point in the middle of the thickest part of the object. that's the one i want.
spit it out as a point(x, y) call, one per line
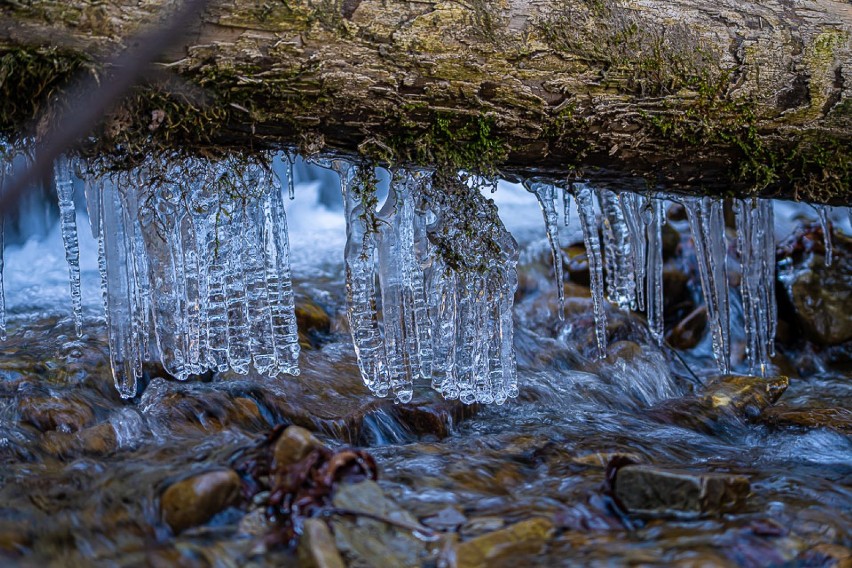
point(83, 471)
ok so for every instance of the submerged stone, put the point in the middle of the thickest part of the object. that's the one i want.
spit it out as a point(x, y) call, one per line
point(838, 419)
point(726, 398)
point(819, 295)
point(493, 548)
point(53, 413)
point(317, 548)
point(365, 539)
point(651, 490)
point(195, 500)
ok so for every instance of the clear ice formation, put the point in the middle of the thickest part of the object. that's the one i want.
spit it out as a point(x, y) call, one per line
point(196, 255)
point(546, 195)
point(195, 268)
point(707, 227)
point(756, 247)
point(823, 212)
point(584, 197)
point(63, 175)
point(446, 271)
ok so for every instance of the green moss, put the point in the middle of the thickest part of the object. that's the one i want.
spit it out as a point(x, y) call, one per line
point(459, 142)
point(29, 82)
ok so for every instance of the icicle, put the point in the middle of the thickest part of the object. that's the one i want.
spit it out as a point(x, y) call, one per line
point(586, 211)
point(114, 263)
point(621, 278)
point(359, 255)
point(632, 205)
point(756, 247)
point(652, 216)
point(546, 195)
point(5, 170)
point(400, 280)
point(566, 202)
point(2, 262)
point(291, 183)
point(68, 225)
point(282, 306)
point(707, 226)
point(823, 212)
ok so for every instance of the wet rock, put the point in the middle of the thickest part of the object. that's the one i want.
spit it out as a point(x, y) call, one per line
point(819, 295)
point(724, 398)
point(194, 500)
point(482, 525)
point(52, 413)
point(577, 265)
point(525, 537)
point(689, 331)
point(254, 523)
point(317, 548)
point(671, 241)
point(363, 539)
point(447, 519)
point(99, 440)
point(838, 419)
point(652, 490)
point(292, 446)
point(601, 459)
point(827, 556)
point(312, 321)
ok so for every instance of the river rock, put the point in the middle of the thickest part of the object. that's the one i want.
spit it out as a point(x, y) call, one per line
point(820, 295)
point(52, 413)
point(292, 446)
point(652, 490)
point(725, 397)
point(364, 540)
point(525, 537)
point(826, 555)
point(837, 419)
point(98, 440)
point(194, 500)
point(317, 548)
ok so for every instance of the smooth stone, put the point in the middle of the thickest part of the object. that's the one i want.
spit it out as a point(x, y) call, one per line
point(838, 419)
point(194, 500)
point(365, 540)
point(656, 491)
point(725, 397)
point(51, 413)
point(820, 295)
point(601, 459)
point(254, 523)
point(98, 440)
point(525, 537)
point(447, 519)
point(827, 555)
point(317, 548)
point(293, 445)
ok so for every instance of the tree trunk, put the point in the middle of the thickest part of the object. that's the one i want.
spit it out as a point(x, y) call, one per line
point(696, 96)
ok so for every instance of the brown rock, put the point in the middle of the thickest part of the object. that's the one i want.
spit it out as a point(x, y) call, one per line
point(317, 548)
point(50, 413)
point(688, 332)
point(601, 459)
point(98, 440)
point(525, 537)
point(194, 500)
point(828, 555)
point(651, 490)
point(838, 419)
point(292, 446)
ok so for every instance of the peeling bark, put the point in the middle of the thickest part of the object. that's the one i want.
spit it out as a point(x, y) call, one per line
point(696, 96)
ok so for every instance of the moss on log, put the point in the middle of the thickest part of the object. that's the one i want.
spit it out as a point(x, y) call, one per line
point(695, 96)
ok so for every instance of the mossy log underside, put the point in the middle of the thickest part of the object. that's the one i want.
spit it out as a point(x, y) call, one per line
point(726, 97)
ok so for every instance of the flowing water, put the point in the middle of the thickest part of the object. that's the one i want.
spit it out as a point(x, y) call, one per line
point(82, 468)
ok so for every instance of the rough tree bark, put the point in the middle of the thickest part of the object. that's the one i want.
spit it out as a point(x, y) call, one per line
point(728, 97)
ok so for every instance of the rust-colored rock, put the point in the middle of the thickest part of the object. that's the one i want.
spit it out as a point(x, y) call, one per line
point(525, 537)
point(51, 413)
point(292, 446)
point(317, 548)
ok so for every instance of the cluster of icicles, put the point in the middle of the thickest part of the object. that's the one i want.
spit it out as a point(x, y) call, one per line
point(195, 268)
